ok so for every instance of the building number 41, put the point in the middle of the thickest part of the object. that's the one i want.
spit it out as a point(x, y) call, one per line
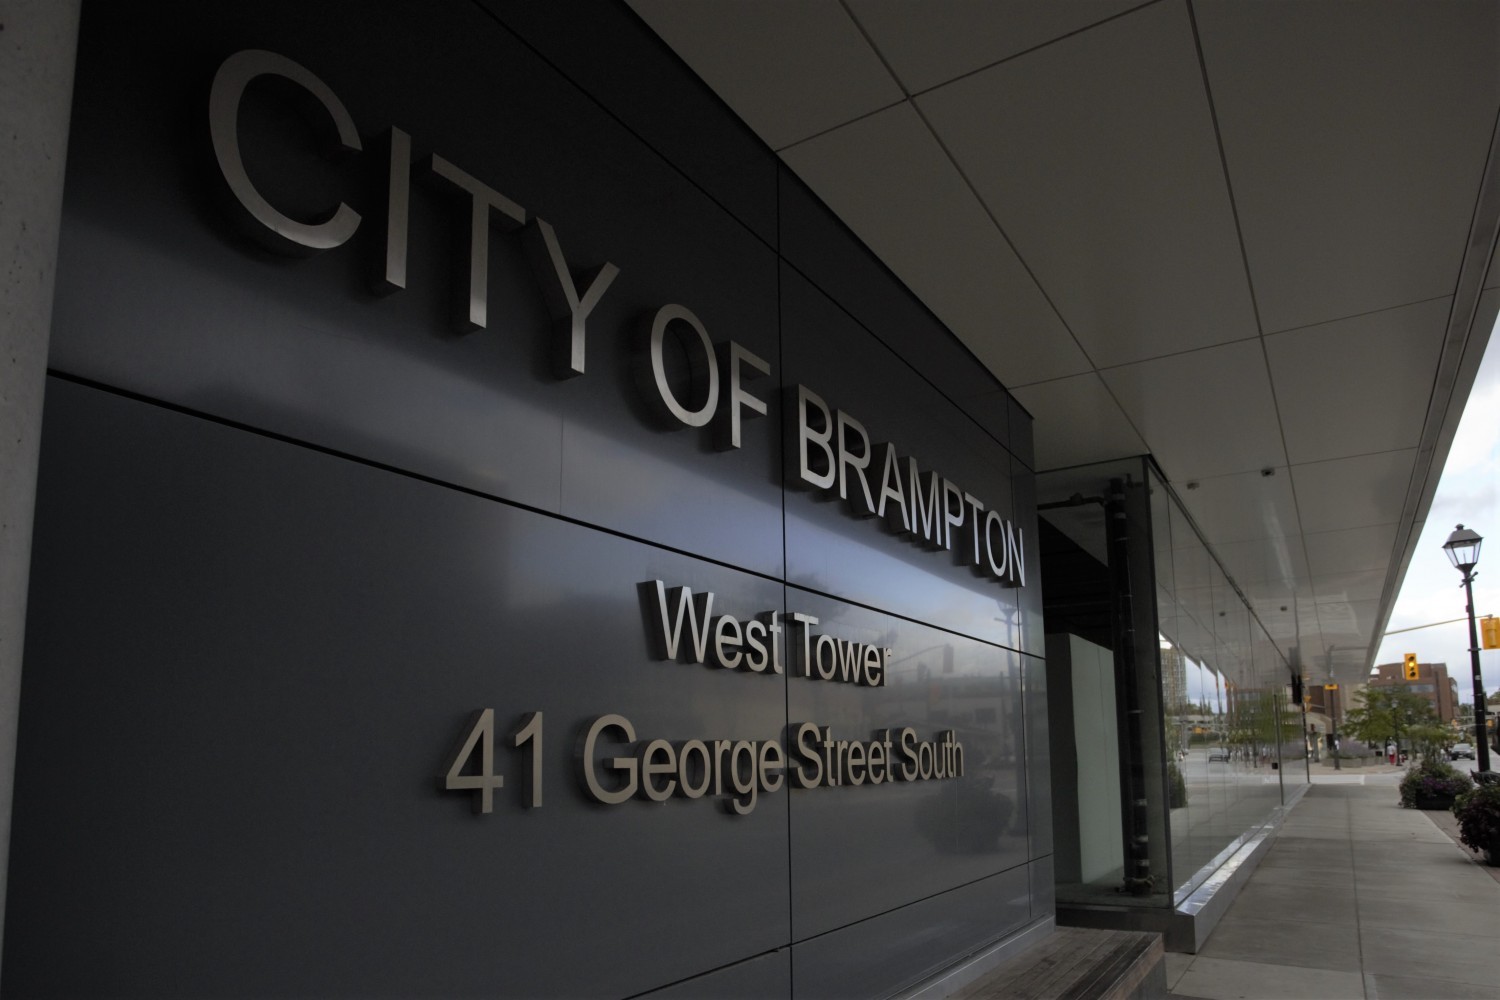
point(481, 737)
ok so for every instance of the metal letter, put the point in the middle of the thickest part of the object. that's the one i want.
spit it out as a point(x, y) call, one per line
point(822, 439)
point(626, 765)
point(891, 489)
point(992, 520)
point(926, 517)
point(1015, 554)
point(649, 770)
point(688, 789)
point(862, 502)
point(733, 357)
point(950, 520)
point(703, 367)
point(569, 309)
point(482, 198)
point(530, 731)
point(281, 232)
point(397, 212)
point(727, 633)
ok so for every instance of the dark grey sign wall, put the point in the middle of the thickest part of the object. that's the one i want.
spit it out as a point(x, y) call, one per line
point(311, 528)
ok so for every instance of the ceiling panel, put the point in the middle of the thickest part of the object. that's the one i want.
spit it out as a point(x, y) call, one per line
point(823, 72)
point(1264, 561)
point(1097, 156)
point(1241, 507)
point(1205, 413)
point(1353, 492)
point(1077, 422)
point(890, 182)
point(1366, 585)
point(929, 44)
point(1357, 385)
point(1350, 550)
point(1354, 152)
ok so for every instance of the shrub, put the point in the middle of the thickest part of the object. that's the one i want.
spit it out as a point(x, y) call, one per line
point(1478, 813)
point(1432, 779)
point(1176, 787)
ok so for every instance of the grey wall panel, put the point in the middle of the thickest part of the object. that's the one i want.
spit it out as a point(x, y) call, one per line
point(860, 559)
point(922, 837)
point(1021, 437)
point(880, 956)
point(1033, 627)
point(821, 247)
point(1038, 756)
point(1043, 888)
point(161, 295)
point(754, 979)
point(248, 663)
point(603, 47)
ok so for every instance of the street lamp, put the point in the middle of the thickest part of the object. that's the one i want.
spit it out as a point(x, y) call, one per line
point(1463, 552)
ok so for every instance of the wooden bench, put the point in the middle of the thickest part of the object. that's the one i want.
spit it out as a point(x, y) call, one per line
point(1078, 963)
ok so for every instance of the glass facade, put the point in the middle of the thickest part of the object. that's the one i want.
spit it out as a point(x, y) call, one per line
point(1174, 735)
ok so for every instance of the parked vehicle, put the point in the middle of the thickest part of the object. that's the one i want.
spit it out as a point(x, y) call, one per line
point(1218, 753)
point(1461, 750)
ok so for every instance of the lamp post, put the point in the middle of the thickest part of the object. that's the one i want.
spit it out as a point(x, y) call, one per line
point(1463, 552)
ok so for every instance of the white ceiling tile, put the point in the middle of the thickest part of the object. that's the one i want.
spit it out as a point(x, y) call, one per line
point(891, 183)
point(931, 43)
point(1097, 156)
point(1077, 422)
point(1351, 550)
point(1357, 385)
point(1204, 413)
point(1353, 492)
point(1264, 561)
point(790, 69)
point(1355, 151)
point(1366, 585)
point(1242, 507)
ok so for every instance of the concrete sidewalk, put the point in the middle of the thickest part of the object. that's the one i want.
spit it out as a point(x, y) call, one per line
point(1356, 898)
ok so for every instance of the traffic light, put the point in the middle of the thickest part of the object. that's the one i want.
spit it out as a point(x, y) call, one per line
point(1411, 666)
point(1489, 632)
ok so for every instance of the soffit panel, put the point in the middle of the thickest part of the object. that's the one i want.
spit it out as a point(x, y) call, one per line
point(1355, 135)
point(1353, 492)
point(790, 69)
point(1351, 550)
point(1351, 620)
point(1205, 413)
point(1333, 588)
point(929, 44)
point(1097, 156)
point(1077, 422)
point(891, 183)
point(1357, 385)
point(1242, 507)
point(1264, 561)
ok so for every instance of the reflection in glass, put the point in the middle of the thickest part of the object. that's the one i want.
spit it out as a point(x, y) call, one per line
point(1140, 614)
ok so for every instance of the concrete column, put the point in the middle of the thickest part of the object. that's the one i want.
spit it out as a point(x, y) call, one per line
point(38, 44)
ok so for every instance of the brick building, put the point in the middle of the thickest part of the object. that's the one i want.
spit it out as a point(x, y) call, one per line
point(1431, 682)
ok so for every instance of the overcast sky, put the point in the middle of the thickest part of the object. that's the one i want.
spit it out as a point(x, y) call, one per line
point(1468, 493)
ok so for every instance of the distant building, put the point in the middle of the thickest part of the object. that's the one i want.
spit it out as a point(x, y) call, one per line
point(1432, 682)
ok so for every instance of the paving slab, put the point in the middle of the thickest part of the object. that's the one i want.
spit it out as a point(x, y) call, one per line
point(1226, 979)
point(1356, 897)
point(1311, 944)
point(1432, 954)
point(1386, 987)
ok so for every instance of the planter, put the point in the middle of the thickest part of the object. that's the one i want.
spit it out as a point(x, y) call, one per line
point(1444, 802)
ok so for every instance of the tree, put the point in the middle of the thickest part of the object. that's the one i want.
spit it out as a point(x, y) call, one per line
point(1386, 714)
